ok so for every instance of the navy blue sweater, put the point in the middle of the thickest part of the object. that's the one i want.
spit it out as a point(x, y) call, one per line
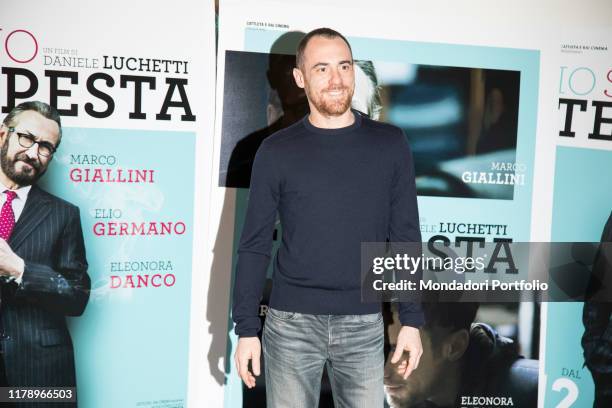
point(332, 189)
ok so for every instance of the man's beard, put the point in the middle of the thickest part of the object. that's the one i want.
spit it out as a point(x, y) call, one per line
point(331, 106)
point(25, 177)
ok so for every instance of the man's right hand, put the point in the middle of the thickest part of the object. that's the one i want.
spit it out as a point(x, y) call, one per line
point(249, 348)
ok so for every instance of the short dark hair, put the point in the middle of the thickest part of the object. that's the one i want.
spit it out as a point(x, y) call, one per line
point(42, 108)
point(444, 318)
point(322, 32)
point(450, 315)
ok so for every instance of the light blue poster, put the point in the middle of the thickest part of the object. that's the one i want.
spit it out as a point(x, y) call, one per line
point(134, 189)
point(474, 172)
point(582, 204)
point(427, 89)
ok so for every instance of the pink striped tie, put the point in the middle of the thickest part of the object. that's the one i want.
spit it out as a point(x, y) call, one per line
point(7, 216)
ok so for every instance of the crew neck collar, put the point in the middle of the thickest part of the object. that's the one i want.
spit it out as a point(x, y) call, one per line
point(335, 131)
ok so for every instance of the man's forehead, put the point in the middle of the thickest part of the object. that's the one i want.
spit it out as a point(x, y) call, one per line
point(326, 50)
point(37, 124)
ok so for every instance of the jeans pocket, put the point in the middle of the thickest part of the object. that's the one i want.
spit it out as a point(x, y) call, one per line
point(362, 323)
point(281, 314)
point(370, 318)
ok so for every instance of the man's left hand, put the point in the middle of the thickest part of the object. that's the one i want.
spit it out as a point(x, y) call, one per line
point(11, 265)
point(408, 340)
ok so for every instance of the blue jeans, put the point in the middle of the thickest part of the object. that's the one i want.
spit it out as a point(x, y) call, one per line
point(296, 346)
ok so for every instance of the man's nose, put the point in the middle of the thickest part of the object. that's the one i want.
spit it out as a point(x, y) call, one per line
point(32, 151)
point(335, 77)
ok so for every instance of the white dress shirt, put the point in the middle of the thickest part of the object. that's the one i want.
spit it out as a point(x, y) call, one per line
point(19, 201)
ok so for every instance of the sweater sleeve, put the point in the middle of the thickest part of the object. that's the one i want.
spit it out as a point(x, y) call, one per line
point(404, 223)
point(255, 243)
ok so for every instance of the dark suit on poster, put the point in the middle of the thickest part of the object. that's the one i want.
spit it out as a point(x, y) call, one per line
point(37, 347)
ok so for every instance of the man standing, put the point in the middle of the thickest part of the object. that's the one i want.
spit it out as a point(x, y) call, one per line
point(336, 179)
point(42, 256)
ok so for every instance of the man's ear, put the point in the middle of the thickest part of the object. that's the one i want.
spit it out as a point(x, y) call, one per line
point(3, 133)
point(456, 344)
point(299, 77)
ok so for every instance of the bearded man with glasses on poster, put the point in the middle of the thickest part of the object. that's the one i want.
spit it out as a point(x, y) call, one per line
point(43, 269)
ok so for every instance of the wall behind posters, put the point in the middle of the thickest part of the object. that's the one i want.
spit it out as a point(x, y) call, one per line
point(134, 83)
point(424, 51)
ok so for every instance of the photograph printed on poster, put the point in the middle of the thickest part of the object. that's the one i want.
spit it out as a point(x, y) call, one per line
point(458, 120)
point(43, 266)
point(472, 356)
